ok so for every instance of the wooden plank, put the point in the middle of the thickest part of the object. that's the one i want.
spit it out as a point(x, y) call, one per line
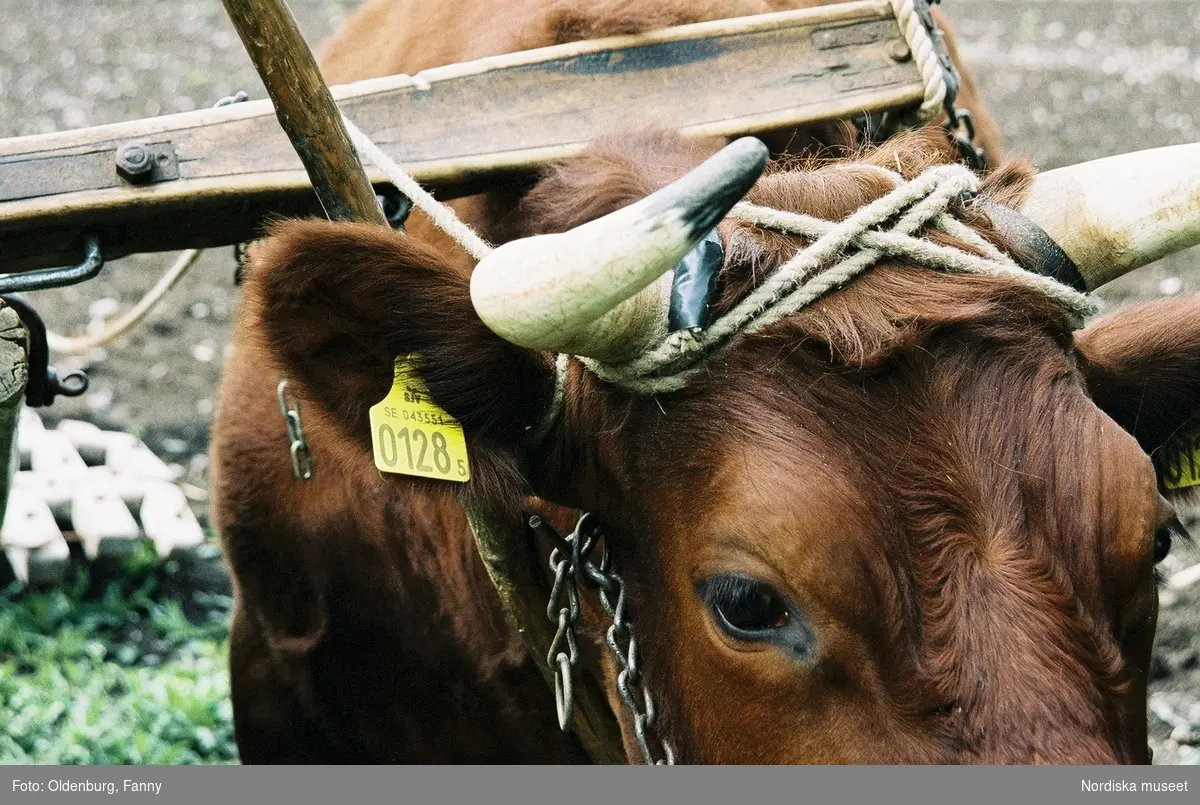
point(459, 129)
point(169, 523)
point(34, 547)
point(103, 522)
point(105, 489)
point(305, 109)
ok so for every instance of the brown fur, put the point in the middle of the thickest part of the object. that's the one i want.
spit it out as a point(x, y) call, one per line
point(932, 467)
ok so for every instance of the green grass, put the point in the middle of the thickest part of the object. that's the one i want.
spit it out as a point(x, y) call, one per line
point(118, 671)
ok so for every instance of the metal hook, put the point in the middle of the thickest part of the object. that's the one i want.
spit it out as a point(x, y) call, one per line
point(44, 383)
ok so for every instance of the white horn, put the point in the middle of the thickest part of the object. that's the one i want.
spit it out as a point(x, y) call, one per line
point(589, 291)
point(1117, 214)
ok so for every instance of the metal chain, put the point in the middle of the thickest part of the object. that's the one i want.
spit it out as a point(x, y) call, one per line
point(959, 125)
point(875, 127)
point(570, 560)
point(302, 463)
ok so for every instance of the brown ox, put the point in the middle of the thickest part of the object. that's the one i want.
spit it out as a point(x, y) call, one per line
point(915, 522)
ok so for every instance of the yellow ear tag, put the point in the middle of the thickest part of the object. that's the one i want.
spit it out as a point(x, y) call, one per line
point(1179, 460)
point(411, 435)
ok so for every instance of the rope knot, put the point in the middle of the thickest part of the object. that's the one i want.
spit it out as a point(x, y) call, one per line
point(837, 253)
point(685, 342)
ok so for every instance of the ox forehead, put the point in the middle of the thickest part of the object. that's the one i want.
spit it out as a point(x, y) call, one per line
point(925, 488)
point(913, 471)
point(914, 468)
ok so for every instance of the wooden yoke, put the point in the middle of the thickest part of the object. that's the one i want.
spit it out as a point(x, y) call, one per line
point(458, 129)
point(308, 114)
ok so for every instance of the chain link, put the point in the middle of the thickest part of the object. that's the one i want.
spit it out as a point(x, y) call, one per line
point(959, 125)
point(572, 565)
point(302, 463)
point(876, 127)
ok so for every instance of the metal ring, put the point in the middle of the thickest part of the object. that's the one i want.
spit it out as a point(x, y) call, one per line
point(564, 694)
point(305, 473)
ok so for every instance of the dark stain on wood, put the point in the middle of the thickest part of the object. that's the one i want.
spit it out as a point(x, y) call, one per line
point(862, 33)
point(640, 59)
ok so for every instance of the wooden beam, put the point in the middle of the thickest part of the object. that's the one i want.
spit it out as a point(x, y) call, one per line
point(459, 129)
point(305, 109)
point(14, 374)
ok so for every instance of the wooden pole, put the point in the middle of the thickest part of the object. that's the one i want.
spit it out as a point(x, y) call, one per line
point(305, 108)
point(313, 123)
point(14, 374)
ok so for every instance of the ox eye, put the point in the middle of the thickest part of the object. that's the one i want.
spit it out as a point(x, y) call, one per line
point(744, 607)
point(1164, 537)
point(753, 611)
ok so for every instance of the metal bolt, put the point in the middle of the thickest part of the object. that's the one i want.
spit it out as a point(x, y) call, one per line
point(135, 161)
point(898, 51)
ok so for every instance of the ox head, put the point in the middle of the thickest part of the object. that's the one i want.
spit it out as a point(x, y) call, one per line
point(916, 522)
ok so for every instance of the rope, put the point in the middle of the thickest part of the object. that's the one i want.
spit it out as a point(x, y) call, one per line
point(839, 252)
point(67, 345)
point(442, 216)
point(920, 43)
point(445, 219)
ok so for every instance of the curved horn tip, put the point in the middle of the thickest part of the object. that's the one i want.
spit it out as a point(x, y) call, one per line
point(592, 289)
point(707, 192)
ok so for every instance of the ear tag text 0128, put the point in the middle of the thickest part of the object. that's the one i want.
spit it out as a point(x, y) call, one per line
point(411, 435)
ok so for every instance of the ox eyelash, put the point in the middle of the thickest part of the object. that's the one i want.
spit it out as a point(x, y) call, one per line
point(1179, 536)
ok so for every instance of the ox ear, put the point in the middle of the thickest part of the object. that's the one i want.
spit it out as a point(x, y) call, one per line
point(336, 304)
point(1142, 367)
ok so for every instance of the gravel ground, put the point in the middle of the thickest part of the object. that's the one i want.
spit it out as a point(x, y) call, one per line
point(1068, 80)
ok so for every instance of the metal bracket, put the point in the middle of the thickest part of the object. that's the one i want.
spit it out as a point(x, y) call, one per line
point(45, 278)
point(44, 383)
